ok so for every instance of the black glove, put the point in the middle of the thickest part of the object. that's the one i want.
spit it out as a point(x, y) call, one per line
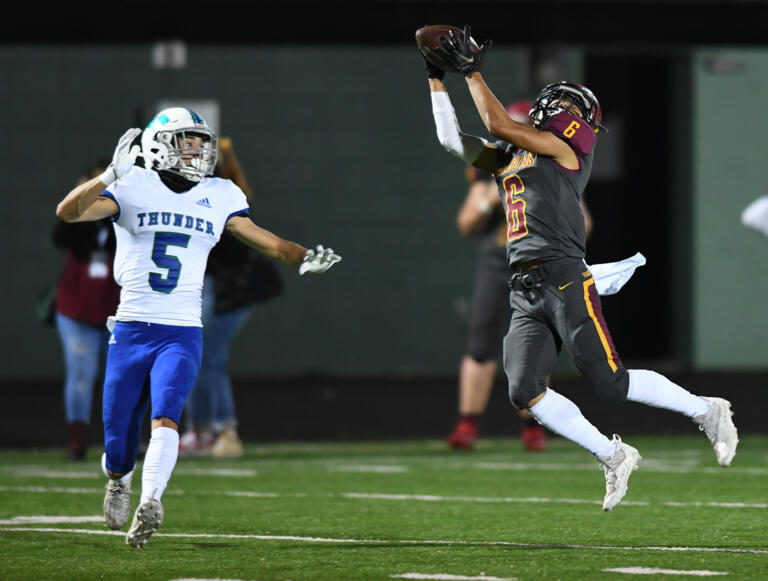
point(460, 54)
point(432, 71)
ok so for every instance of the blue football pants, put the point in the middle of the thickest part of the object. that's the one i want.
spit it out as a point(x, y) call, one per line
point(146, 363)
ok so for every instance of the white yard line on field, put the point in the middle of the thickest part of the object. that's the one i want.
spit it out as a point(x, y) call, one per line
point(182, 471)
point(368, 468)
point(664, 466)
point(451, 577)
point(649, 571)
point(410, 542)
point(436, 498)
point(37, 519)
point(401, 497)
point(23, 472)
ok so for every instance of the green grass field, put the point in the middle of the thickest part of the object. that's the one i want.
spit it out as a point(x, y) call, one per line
point(399, 510)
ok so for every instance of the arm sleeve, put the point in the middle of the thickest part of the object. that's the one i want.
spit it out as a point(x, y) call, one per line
point(463, 146)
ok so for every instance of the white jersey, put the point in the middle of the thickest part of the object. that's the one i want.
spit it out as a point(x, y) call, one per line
point(163, 242)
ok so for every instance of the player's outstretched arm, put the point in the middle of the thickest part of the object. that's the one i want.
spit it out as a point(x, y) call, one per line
point(499, 123)
point(470, 148)
point(285, 251)
point(83, 203)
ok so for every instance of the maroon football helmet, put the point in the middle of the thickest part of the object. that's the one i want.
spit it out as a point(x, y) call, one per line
point(549, 103)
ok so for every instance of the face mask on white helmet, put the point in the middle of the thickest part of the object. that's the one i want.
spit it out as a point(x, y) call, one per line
point(179, 140)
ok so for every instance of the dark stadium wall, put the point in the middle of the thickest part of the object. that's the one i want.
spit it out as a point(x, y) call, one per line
point(347, 160)
point(352, 161)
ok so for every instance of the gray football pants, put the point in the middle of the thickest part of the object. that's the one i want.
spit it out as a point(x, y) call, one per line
point(556, 305)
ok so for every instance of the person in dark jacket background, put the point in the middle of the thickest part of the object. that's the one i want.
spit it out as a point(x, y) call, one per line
point(236, 278)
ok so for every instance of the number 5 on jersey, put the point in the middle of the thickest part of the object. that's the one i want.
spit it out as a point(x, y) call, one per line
point(516, 224)
point(166, 283)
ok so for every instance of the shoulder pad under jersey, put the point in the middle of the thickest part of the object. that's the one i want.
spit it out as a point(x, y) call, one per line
point(577, 132)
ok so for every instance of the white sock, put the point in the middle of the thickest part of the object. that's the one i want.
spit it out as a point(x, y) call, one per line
point(125, 480)
point(563, 417)
point(159, 461)
point(654, 389)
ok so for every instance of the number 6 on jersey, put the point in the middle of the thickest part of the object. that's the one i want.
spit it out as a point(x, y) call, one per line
point(517, 227)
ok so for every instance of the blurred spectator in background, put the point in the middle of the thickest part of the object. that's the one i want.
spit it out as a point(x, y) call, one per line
point(236, 278)
point(86, 295)
point(481, 216)
point(755, 215)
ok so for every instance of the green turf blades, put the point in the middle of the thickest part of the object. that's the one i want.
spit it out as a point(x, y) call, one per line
point(374, 510)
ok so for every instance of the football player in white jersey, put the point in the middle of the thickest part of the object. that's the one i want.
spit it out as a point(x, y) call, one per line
point(167, 216)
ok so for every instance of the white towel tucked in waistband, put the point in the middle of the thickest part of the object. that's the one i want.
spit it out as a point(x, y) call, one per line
point(611, 276)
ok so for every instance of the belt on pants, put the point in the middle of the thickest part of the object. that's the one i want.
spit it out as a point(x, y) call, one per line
point(527, 275)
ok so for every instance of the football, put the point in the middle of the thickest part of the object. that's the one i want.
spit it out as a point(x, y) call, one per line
point(428, 39)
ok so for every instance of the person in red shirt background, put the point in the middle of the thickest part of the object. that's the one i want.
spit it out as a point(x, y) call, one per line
point(86, 295)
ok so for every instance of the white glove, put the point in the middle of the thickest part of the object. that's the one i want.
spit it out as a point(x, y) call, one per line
point(318, 260)
point(123, 158)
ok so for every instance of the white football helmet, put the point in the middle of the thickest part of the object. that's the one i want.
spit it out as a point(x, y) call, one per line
point(163, 144)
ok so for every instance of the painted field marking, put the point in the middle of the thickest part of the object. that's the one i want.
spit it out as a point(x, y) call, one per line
point(214, 472)
point(179, 471)
point(414, 497)
point(648, 571)
point(69, 474)
point(450, 577)
point(368, 468)
point(29, 520)
point(664, 466)
point(52, 489)
point(409, 542)
point(436, 498)
point(248, 494)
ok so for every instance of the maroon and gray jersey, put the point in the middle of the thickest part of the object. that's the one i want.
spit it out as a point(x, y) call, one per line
point(541, 197)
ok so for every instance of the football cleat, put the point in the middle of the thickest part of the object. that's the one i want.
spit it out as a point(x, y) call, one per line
point(535, 438)
point(117, 503)
point(717, 424)
point(618, 468)
point(146, 520)
point(463, 436)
